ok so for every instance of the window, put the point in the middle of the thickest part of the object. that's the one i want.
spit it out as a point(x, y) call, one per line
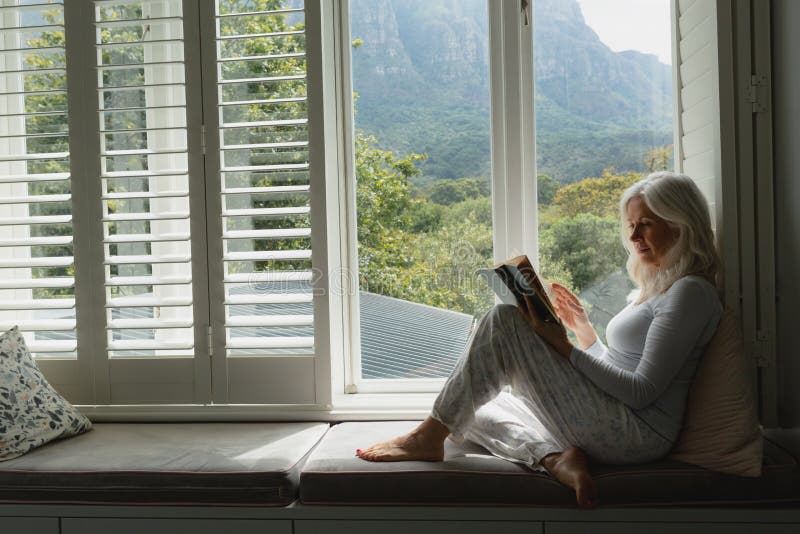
point(255, 202)
point(422, 107)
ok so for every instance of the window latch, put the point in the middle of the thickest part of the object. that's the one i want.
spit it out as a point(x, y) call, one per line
point(525, 8)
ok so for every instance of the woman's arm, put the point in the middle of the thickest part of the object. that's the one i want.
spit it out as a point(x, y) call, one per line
point(672, 336)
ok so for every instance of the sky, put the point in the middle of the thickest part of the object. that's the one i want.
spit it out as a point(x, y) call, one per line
point(642, 25)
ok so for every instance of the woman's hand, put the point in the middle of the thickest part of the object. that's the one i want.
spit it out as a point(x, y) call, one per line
point(573, 315)
point(553, 333)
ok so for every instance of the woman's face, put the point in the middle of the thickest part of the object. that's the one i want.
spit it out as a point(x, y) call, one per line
point(652, 237)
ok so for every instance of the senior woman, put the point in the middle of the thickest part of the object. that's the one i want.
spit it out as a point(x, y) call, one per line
point(619, 404)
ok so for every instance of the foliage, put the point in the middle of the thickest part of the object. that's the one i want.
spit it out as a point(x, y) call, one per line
point(588, 245)
point(658, 158)
point(448, 192)
point(546, 189)
point(598, 196)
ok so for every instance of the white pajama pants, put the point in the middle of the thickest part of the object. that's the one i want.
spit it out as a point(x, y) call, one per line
point(514, 395)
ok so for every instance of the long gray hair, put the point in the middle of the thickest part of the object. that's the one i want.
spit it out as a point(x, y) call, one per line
point(676, 199)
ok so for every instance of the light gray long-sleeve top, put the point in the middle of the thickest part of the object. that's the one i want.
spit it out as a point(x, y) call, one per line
point(653, 351)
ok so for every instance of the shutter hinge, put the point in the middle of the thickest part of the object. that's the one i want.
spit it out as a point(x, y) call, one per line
point(754, 93)
point(210, 341)
point(762, 349)
point(203, 139)
point(525, 5)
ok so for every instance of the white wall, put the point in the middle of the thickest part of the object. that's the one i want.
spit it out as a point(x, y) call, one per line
point(786, 106)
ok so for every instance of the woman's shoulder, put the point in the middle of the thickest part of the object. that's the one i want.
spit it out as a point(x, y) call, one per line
point(694, 280)
point(695, 291)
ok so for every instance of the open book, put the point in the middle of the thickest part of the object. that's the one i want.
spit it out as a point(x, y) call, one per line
point(513, 279)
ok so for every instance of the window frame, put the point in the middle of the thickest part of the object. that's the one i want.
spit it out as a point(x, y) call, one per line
point(514, 196)
point(337, 394)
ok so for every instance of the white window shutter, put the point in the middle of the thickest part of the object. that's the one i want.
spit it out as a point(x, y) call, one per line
point(37, 283)
point(143, 153)
point(697, 135)
point(259, 171)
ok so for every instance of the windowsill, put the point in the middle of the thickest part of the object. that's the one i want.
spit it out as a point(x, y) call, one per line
point(356, 407)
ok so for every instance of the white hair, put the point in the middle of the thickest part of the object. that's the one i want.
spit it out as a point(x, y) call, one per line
point(676, 199)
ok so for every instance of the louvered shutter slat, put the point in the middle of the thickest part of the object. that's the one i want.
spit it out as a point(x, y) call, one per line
point(36, 258)
point(141, 84)
point(263, 142)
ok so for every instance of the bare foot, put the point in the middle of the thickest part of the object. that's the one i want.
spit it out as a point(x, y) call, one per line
point(426, 443)
point(571, 468)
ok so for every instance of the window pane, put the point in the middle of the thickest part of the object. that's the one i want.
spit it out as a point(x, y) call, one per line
point(423, 195)
point(603, 85)
point(36, 258)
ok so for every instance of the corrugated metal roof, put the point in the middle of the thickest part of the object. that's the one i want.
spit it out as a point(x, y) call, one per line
point(402, 339)
point(399, 339)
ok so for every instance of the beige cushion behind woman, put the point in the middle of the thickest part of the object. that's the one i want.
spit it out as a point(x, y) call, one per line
point(721, 430)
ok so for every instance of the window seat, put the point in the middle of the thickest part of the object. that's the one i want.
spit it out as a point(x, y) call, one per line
point(256, 464)
point(270, 464)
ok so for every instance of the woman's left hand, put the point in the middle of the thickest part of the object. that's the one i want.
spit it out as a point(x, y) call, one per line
point(553, 333)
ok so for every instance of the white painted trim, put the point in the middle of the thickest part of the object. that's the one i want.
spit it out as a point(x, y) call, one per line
point(513, 148)
point(677, 105)
point(321, 24)
point(213, 203)
point(197, 199)
point(86, 205)
point(347, 371)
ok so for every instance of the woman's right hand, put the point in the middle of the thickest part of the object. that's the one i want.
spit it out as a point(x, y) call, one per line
point(573, 315)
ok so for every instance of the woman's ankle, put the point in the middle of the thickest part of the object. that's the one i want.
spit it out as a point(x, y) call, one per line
point(433, 430)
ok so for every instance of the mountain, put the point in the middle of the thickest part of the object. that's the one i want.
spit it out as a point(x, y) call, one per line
point(421, 72)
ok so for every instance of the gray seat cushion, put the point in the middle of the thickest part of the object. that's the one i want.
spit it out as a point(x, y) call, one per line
point(203, 463)
point(469, 475)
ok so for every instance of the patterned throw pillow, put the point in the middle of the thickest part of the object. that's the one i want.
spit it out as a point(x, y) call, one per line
point(32, 413)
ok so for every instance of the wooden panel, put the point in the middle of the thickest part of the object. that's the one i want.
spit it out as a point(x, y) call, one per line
point(708, 188)
point(699, 115)
point(700, 166)
point(69, 377)
point(151, 380)
point(417, 527)
point(698, 141)
point(684, 5)
point(669, 528)
point(697, 65)
point(153, 393)
point(693, 42)
point(173, 526)
point(271, 380)
point(29, 525)
point(694, 14)
point(698, 90)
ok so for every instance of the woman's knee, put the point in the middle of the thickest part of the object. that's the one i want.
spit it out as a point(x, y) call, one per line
point(504, 312)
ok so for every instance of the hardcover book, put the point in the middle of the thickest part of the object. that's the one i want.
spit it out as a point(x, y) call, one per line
point(513, 280)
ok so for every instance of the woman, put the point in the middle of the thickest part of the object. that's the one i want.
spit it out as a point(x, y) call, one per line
point(618, 404)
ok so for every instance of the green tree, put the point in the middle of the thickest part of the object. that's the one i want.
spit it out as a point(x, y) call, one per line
point(448, 192)
point(598, 196)
point(658, 158)
point(589, 247)
point(546, 188)
point(383, 206)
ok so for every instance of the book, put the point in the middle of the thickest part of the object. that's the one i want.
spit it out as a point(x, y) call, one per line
point(513, 279)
